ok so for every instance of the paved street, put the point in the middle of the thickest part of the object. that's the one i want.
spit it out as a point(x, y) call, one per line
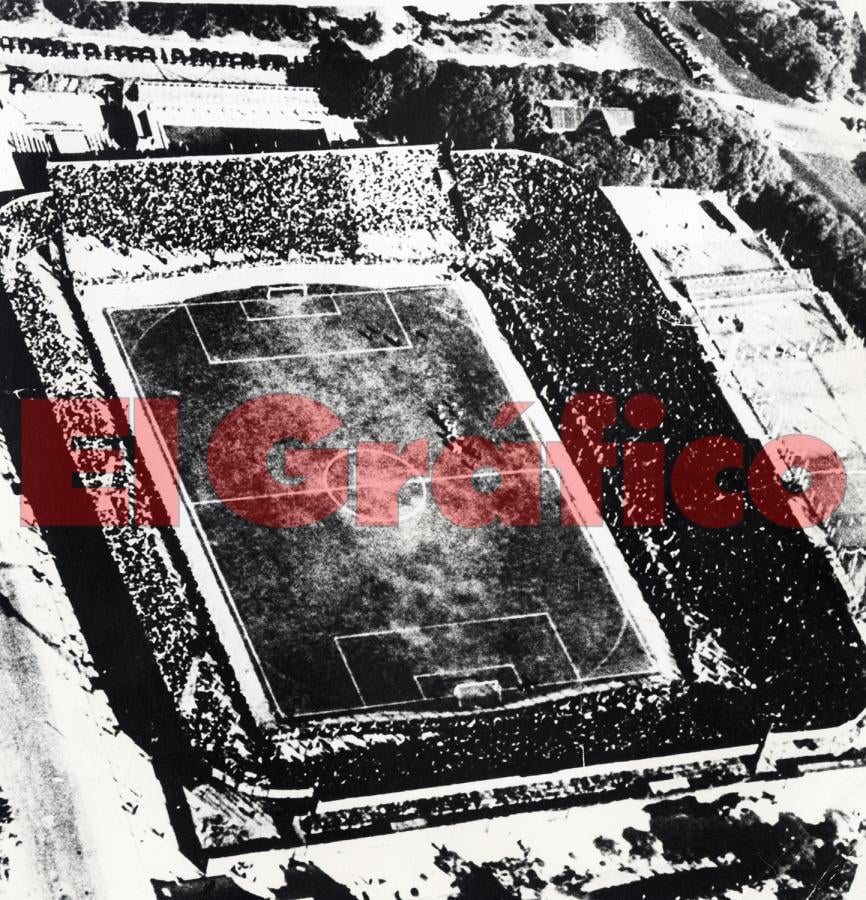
point(60, 759)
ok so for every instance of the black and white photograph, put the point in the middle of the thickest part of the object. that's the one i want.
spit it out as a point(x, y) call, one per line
point(433, 450)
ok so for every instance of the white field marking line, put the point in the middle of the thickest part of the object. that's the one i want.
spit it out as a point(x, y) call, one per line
point(471, 670)
point(558, 637)
point(544, 615)
point(109, 314)
point(406, 512)
point(163, 449)
point(623, 628)
point(351, 673)
point(474, 671)
point(606, 553)
point(357, 352)
point(560, 682)
point(417, 479)
point(409, 344)
point(635, 673)
point(337, 711)
point(366, 634)
point(204, 543)
point(286, 289)
point(347, 295)
point(211, 361)
point(289, 316)
point(218, 362)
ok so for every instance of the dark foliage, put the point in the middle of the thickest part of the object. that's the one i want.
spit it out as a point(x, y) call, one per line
point(94, 14)
point(16, 9)
point(809, 52)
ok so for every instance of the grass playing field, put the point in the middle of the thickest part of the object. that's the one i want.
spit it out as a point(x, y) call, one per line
point(342, 616)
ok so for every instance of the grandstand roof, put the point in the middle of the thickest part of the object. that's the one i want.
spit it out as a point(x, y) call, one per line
point(50, 110)
point(617, 120)
point(232, 105)
point(569, 115)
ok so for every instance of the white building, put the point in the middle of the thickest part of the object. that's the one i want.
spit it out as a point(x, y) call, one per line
point(788, 362)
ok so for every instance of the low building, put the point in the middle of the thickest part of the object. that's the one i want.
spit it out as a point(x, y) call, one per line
point(38, 123)
point(783, 350)
point(571, 116)
point(200, 117)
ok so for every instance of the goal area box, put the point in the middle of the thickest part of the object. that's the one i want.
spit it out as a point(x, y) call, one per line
point(288, 302)
point(484, 686)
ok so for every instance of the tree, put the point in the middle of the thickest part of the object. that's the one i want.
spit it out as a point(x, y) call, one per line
point(689, 142)
point(343, 75)
point(602, 159)
point(201, 22)
point(859, 71)
point(367, 30)
point(469, 106)
point(412, 74)
point(16, 9)
point(812, 234)
point(267, 25)
point(370, 96)
point(156, 18)
point(412, 71)
point(87, 13)
point(860, 166)
point(809, 51)
point(592, 28)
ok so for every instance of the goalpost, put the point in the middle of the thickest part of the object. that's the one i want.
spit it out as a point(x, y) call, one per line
point(279, 291)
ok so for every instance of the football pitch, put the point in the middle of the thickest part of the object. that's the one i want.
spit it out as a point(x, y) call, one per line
point(341, 617)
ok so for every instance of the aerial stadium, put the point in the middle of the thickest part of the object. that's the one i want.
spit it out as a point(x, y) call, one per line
point(421, 295)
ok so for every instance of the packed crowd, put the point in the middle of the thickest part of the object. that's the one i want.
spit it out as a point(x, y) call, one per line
point(25, 224)
point(582, 312)
point(172, 612)
point(394, 751)
point(300, 207)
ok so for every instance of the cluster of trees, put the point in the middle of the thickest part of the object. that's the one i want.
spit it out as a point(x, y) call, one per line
point(686, 141)
point(813, 234)
point(575, 22)
point(202, 21)
point(267, 23)
point(679, 140)
point(693, 850)
point(404, 94)
point(87, 13)
point(17, 9)
point(807, 49)
point(859, 72)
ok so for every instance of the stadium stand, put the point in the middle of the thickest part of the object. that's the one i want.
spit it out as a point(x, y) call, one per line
point(170, 609)
point(163, 215)
point(574, 300)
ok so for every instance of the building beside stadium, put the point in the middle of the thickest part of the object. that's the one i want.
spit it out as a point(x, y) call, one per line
point(781, 347)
